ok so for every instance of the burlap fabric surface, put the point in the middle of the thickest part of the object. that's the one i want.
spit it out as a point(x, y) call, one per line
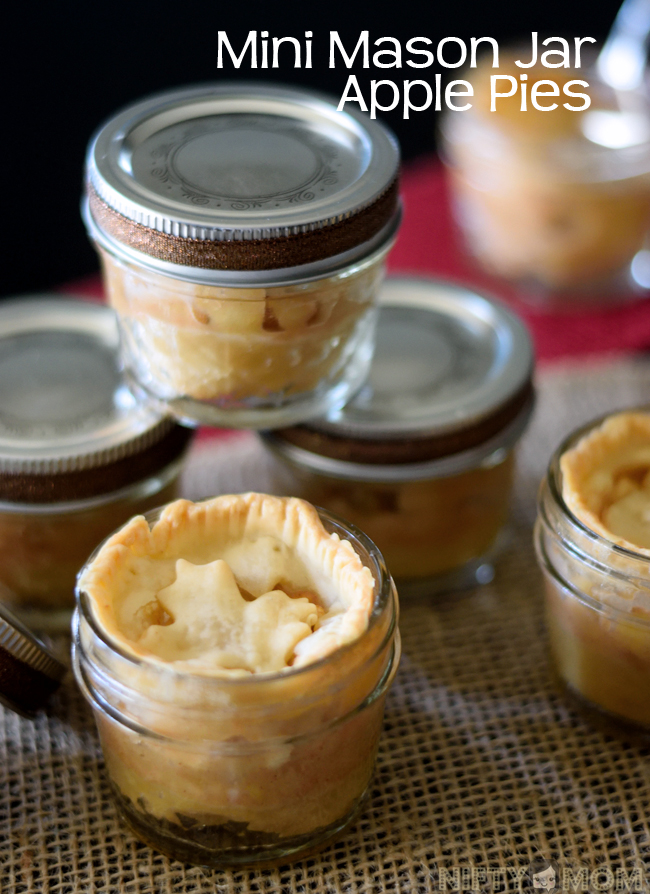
point(481, 769)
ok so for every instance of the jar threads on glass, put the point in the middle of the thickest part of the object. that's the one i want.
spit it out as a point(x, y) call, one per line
point(242, 230)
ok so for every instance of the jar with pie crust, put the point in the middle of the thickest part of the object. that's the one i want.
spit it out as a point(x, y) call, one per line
point(422, 459)
point(242, 230)
point(78, 454)
point(593, 544)
point(237, 654)
point(554, 200)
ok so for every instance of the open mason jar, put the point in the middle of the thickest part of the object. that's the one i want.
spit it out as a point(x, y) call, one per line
point(554, 200)
point(78, 454)
point(242, 230)
point(226, 766)
point(422, 459)
point(597, 584)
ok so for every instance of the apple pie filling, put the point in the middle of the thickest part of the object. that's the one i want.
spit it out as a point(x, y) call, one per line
point(235, 348)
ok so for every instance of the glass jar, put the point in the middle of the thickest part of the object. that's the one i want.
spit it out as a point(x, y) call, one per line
point(557, 202)
point(431, 438)
point(218, 354)
point(222, 771)
point(409, 516)
point(245, 287)
point(78, 455)
point(597, 610)
point(43, 545)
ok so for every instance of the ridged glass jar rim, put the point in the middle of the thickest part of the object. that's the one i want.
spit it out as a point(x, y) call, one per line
point(551, 501)
point(385, 600)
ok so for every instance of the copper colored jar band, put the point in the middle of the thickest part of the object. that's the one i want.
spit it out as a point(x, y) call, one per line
point(248, 254)
point(58, 487)
point(395, 451)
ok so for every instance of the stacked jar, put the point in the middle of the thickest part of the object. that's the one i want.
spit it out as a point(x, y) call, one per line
point(242, 231)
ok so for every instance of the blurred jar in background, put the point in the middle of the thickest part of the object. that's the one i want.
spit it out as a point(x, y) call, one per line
point(557, 201)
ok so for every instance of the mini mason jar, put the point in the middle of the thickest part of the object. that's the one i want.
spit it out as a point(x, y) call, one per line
point(78, 455)
point(242, 230)
point(422, 459)
point(597, 596)
point(222, 771)
point(556, 201)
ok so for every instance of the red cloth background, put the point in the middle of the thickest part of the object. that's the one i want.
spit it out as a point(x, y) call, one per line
point(428, 244)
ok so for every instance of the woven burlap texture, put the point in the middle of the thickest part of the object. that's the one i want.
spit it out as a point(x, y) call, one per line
point(481, 766)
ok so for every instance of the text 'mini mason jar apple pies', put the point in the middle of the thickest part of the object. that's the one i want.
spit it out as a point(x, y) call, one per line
point(78, 454)
point(237, 655)
point(593, 543)
point(422, 459)
point(242, 230)
point(555, 200)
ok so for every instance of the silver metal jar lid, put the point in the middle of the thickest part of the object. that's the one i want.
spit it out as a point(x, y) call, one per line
point(29, 672)
point(450, 383)
point(241, 178)
point(69, 426)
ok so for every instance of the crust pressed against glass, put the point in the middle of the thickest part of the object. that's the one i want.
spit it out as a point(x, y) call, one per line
point(218, 561)
point(237, 348)
point(606, 480)
point(262, 742)
point(592, 539)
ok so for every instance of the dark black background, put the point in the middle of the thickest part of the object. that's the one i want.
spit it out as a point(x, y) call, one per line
point(65, 67)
